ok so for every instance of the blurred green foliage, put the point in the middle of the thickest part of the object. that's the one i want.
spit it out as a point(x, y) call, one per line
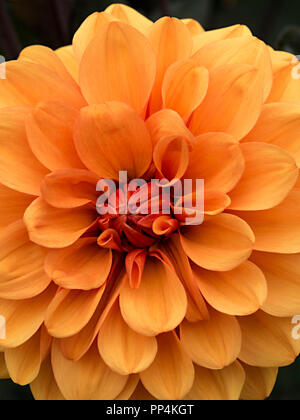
point(52, 23)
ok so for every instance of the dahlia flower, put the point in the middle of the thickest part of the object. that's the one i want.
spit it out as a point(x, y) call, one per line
point(148, 306)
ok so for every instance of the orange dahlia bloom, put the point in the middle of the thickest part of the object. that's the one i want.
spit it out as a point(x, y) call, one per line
point(141, 306)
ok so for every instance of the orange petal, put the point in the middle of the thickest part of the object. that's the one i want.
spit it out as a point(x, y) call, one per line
point(3, 369)
point(44, 387)
point(286, 86)
point(87, 31)
point(212, 344)
point(82, 266)
point(221, 243)
point(26, 280)
point(160, 286)
point(28, 83)
point(217, 385)
point(217, 158)
point(269, 176)
point(50, 134)
point(117, 134)
point(229, 32)
point(241, 291)
point(129, 389)
point(277, 229)
point(171, 41)
point(167, 123)
point(184, 87)
point(141, 394)
point(19, 169)
point(118, 65)
point(74, 348)
point(70, 311)
point(24, 318)
point(268, 341)
point(66, 55)
point(171, 375)
point(87, 379)
point(24, 362)
point(259, 383)
point(121, 348)
point(242, 50)
point(128, 15)
point(283, 279)
point(233, 101)
point(57, 228)
point(12, 205)
point(46, 57)
point(193, 26)
point(279, 124)
point(171, 157)
point(70, 188)
point(196, 305)
point(215, 202)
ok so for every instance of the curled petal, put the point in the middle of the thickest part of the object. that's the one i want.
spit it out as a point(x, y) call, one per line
point(118, 135)
point(221, 243)
point(114, 55)
point(160, 286)
point(217, 385)
point(213, 344)
point(171, 375)
point(130, 16)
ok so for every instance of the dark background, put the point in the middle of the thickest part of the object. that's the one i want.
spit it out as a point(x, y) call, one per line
point(53, 22)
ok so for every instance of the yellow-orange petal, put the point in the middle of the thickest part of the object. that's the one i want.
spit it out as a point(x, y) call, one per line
point(25, 280)
point(70, 188)
point(70, 311)
point(193, 26)
point(141, 394)
point(286, 86)
point(121, 348)
point(23, 362)
point(268, 341)
point(279, 124)
point(16, 153)
point(83, 266)
point(259, 383)
point(44, 387)
point(233, 102)
point(207, 37)
point(20, 88)
point(217, 158)
point(129, 389)
point(283, 279)
point(171, 375)
point(46, 57)
point(118, 65)
point(241, 291)
point(270, 174)
point(88, 379)
point(12, 205)
point(276, 230)
point(197, 309)
point(166, 123)
point(221, 243)
point(49, 129)
point(24, 317)
point(130, 16)
point(241, 50)
point(117, 134)
point(160, 286)
point(171, 41)
point(66, 55)
point(87, 31)
point(184, 87)
point(212, 344)
point(217, 385)
point(171, 157)
point(57, 228)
